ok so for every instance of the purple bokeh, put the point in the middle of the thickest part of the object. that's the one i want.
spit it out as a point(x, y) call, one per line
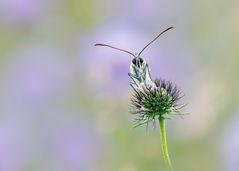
point(229, 145)
point(35, 75)
point(37, 127)
point(12, 145)
point(77, 145)
point(22, 11)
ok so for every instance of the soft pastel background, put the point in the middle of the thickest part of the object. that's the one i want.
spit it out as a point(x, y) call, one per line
point(64, 104)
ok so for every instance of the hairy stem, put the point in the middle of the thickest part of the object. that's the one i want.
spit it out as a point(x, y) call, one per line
point(164, 142)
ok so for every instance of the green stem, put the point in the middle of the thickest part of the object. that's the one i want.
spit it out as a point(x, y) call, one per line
point(164, 142)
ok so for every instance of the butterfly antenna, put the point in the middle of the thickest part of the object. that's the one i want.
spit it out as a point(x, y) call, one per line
point(99, 44)
point(155, 39)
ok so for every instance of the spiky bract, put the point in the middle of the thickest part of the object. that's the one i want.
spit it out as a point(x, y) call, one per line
point(155, 100)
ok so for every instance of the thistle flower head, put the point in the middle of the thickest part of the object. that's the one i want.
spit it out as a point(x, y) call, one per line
point(155, 100)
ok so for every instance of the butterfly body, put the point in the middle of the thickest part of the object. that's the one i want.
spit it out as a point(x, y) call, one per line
point(139, 72)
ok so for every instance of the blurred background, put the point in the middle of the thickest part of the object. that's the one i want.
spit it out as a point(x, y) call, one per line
point(64, 104)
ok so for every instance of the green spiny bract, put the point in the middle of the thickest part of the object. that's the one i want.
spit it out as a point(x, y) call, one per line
point(155, 100)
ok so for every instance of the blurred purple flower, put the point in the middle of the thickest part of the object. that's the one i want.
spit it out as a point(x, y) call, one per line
point(76, 144)
point(230, 146)
point(34, 77)
point(21, 11)
point(12, 157)
point(149, 12)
